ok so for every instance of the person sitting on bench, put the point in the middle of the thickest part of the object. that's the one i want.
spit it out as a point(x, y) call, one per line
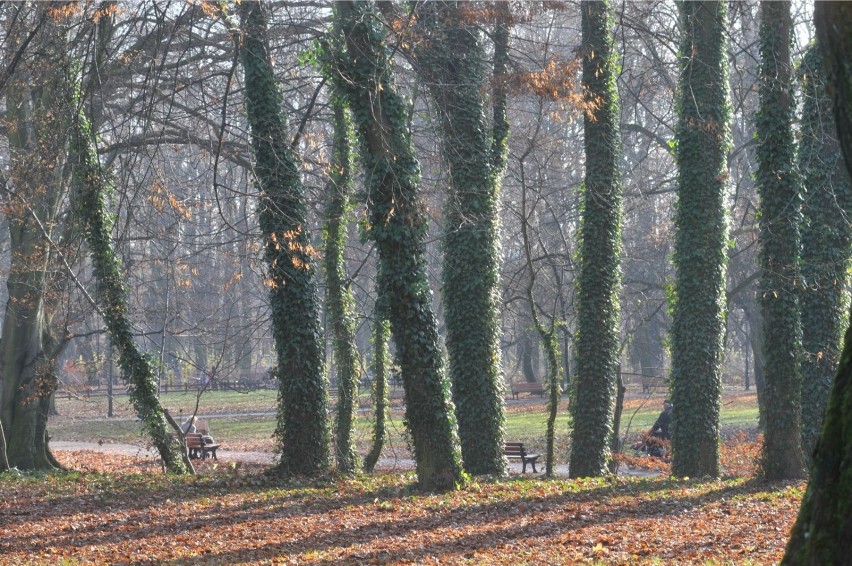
point(188, 425)
point(661, 425)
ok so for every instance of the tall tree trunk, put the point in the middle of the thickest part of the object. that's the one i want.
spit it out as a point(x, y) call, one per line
point(38, 179)
point(338, 294)
point(453, 60)
point(822, 533)
point(397, 225)
point(597, 344)
point(826, 247)
point(780, 200)
point(302, 430)
point(698, 321)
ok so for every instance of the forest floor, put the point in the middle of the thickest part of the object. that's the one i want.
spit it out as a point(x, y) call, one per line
point(119, 509)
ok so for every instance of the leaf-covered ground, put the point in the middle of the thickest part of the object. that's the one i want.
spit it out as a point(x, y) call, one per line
point(122, 510)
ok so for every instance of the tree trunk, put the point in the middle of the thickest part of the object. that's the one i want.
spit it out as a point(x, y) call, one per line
point(338, 294)
point(780, 199)
point(397, 225)
point(302, 430)
point(471, 242)
point(38, 180)
point(698, 320)
point(599, 280)
point(826, 247)
point(822, 533)
point(381, 334)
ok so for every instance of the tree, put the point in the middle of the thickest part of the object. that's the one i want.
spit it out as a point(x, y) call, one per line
point(821, 532)
point(452, 57)
point(397, 225)
point(381, 335)
point(826, 241)
point(780, 200)
point(338, 293)
point(596, 343)
point(698, 320)
point(302, 430)
point(39, 180)
point(94, 188)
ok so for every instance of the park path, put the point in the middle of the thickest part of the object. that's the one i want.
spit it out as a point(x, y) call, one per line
point(267, 458)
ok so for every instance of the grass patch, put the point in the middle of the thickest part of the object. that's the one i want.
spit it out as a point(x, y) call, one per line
point(252, 420)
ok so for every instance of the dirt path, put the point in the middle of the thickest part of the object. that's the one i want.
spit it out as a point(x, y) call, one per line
point(268, 458)
point(142, 452)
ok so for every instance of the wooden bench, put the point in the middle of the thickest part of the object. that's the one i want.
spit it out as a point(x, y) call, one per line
point(517, 451)
point(196, 447)
point(526, 387)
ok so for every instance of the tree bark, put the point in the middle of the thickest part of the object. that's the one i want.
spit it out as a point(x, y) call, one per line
point(599, 280)
point(822, 533)
point(453, 61)
point(826, 247)
point(338, 294)
point(39, 179)
point(778, 186)
point(698, 321)
point(397, 225)
point(302, 430)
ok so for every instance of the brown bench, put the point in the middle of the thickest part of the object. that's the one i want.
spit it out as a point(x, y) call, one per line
point(526, 387)
point(517, 451)
point(196, 447)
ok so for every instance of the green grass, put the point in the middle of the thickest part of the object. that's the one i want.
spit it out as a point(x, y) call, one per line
point(525, 422)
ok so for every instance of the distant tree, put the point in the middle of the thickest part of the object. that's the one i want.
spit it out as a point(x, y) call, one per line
point(302, 430)
point(471, 241)
point(546, 332)
point(338, 294)
point(597, 342)
point(778, 185)
point(821, 532)
point(396, 223)
point(698, 320)
point(826, 246)
point(381, 335)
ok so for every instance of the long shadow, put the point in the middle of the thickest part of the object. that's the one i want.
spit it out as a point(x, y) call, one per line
point(571, 506)
point(136, 509)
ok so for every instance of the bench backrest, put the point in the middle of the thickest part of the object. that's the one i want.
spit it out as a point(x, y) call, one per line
point(514, 449)
point(193, 440)
point(527, 387)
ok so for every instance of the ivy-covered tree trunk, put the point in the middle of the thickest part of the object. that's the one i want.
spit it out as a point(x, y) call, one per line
point(826, 247)
point(302, 429)
point(338, 294)
point(698, 321)
point(452, 58)
point(37, 185)
point(596, 343)
point(381, 335)
point(93, 191)
point(397, 225)
point(778, 186)
point(822, 533)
